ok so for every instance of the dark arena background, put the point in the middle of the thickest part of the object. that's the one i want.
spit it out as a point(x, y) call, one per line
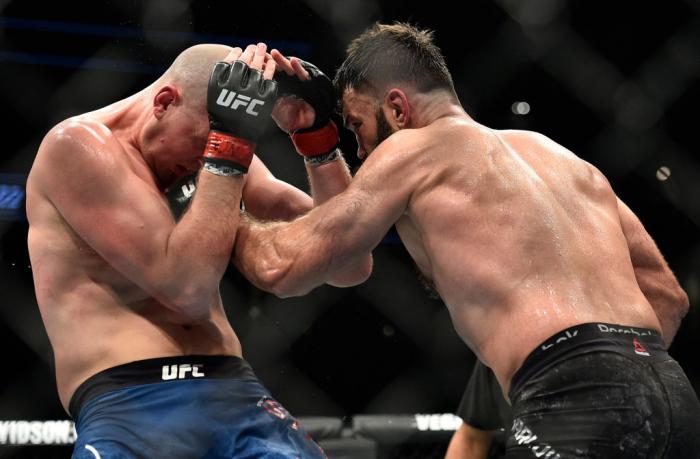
point(373, 371)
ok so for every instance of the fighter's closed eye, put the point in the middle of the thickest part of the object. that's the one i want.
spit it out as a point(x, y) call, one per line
point(354, 125)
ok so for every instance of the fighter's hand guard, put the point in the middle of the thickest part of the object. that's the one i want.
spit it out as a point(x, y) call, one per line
point(239, 102)
point(321, 138)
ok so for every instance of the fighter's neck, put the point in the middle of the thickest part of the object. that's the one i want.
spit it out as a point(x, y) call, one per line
point(430, 107)
point(127, 118)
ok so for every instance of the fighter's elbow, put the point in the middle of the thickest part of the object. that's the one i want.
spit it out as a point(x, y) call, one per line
point(355, 274)
point(682, 302)
point(285, 288)
point(191, 301)
point(276, 278)
point(191, 310)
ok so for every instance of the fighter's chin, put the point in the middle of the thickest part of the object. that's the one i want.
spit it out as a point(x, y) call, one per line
point(179, 171)
point(171, 175)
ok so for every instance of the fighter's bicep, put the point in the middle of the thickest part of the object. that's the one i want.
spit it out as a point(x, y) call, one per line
point(108, 206)
point(375, 199)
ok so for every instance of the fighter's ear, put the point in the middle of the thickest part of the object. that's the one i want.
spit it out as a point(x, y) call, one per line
point(164, 98)
point(399, 106)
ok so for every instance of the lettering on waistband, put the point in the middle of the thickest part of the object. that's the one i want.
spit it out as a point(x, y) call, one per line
point(182, 371)
point(624, 330)
point(568, 334)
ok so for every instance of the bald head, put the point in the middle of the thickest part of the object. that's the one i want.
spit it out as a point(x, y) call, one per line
point(190, 72)
point(174, 132)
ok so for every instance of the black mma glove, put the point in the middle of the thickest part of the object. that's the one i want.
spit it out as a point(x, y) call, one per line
point(239, 102)
point(321, 138)
point(180, 193)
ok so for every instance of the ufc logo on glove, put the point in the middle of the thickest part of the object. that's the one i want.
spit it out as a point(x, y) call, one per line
point(229, 98)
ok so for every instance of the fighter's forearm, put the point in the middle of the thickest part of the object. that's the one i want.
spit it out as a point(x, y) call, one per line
point(654, 276)
point(667, 298)
point(268, 263)
point(198, 248)
point(328, 180)
point(292, 258)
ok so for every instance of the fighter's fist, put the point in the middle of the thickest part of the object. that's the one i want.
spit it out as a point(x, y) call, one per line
point(239, 101)
point(307, 120)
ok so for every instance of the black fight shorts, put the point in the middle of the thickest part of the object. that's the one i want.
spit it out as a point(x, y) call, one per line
point(603, 391)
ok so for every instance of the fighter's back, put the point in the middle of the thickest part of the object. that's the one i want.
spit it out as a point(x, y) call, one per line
point(523, 240)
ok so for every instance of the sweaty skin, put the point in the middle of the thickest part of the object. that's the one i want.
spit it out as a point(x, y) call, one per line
point(116, 278)
point(521, 238)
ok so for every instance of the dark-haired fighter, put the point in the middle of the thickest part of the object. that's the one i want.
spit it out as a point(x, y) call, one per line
point(548, 276)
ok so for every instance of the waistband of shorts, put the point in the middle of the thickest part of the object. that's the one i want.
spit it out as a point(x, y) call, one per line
point(643, 343)
point(159, 370)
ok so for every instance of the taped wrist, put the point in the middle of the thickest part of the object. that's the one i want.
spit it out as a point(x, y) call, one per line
point(227, 153)
point(316, 142)
point(217, 168)
point(320, 160)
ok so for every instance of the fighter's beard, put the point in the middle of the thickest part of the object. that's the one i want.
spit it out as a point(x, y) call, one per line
point(384, 129)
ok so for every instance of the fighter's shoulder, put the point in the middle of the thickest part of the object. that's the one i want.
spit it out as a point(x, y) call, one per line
point(537, 140)
point(76, 137)
point(74, 146)
point(468, 134)
point(523, 136)
point(406, 145)
point(579, 166)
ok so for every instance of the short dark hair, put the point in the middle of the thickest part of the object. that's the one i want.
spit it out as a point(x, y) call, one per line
point(392, 53)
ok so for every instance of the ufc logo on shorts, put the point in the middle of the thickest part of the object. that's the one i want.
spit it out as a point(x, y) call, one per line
point(181, 371)
point(189, 188)
point(231, 99)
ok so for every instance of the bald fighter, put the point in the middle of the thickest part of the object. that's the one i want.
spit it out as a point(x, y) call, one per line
point(146, 360)
point(548, 277)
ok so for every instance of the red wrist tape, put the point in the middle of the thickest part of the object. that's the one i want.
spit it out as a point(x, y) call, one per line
point(224, 146)
point(316, 142)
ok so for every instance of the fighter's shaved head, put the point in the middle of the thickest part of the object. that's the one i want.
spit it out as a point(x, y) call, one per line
point(190, 72)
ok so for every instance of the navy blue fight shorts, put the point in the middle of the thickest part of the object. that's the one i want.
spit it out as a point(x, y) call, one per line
point(603, 391)
point(184, 407)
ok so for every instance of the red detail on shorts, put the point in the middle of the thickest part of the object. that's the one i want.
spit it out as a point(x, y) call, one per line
point(273, 407)
point(317, 142)
point(638, 348)
point(224, 146)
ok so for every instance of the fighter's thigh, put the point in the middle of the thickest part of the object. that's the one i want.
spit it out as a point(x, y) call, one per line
point(102, 449)
point(589, 406)
point(684, 438)
point(271, 432)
